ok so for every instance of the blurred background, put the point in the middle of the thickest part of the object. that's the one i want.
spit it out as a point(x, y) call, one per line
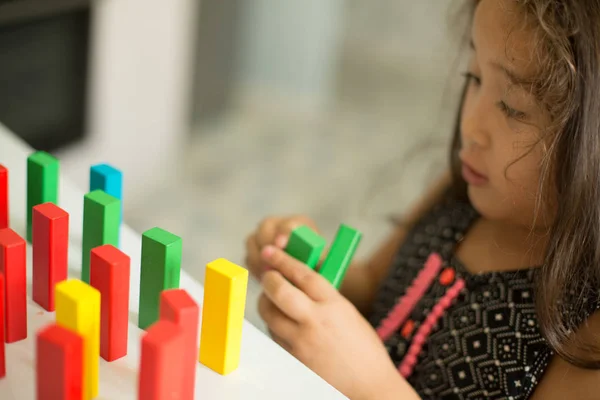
point(222, 112)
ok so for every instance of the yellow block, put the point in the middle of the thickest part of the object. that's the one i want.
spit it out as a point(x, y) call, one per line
point(78, 309)
point(223, 315)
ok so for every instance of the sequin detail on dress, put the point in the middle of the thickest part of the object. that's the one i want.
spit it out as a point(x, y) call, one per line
point(485, 343)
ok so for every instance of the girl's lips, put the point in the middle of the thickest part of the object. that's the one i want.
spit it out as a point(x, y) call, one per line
point(472, 176)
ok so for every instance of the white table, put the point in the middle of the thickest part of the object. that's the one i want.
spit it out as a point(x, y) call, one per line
point(266, 371)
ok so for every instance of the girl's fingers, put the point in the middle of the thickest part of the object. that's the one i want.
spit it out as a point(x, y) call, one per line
point(281, 327)
point(266, 232)
point(294, 303)
point(253, 259)
point(308, 281)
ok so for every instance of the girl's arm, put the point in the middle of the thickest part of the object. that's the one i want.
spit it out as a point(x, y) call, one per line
point(364, 277)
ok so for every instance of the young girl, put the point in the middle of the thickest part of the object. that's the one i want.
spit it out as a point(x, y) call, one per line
point(489, 290)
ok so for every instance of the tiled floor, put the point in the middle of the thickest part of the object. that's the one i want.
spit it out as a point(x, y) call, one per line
point(368, 157)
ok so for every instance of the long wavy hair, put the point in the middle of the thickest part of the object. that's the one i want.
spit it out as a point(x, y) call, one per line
point(567, 34)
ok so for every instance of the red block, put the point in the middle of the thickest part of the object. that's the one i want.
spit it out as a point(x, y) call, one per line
point(177, 306)
point(12, 265)
point(109, 273)
point(59, 364)
point(50, 240)
point(3, 197)
point(160, 363)
point(2, 345)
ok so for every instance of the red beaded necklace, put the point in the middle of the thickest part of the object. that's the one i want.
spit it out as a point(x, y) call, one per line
point(398, 314)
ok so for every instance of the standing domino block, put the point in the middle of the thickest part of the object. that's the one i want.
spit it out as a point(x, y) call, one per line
point(4, 219)
point(50, 252)
point(101, 220)
point(305, 245)
point(13, 267)
point(340, 255)
point(178, 307)
point(2, 345)
point(108, 179)
point(161, 370)
point(59, 364)
point(160, 269)
point(109, 274)
point(78, 309)
point(223, 315)
point(42, 183)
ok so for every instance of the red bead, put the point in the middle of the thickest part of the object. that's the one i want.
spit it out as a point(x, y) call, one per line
point(445, 302)
point(405, 370)
point(447, 276)
point(407, 329)
point(411, 360)
point(426, 330)
point(419, 340)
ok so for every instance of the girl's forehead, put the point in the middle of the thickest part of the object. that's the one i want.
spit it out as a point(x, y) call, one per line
point(503, 34)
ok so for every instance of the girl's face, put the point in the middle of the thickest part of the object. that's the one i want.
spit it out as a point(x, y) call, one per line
point(501, 122)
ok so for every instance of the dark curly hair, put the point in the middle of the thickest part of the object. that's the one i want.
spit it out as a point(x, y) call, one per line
point(567, 43)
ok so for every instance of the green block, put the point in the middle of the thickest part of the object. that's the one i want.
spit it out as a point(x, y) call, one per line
point(101, 221)
point(340, 255)
point(42, 183)
point(305, 245)
point(160, 269)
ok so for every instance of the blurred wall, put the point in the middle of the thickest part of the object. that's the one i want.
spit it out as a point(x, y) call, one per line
point(216, 56)
point(141, 76)
point(290, 48)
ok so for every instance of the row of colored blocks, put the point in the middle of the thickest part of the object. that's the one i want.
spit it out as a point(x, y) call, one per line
point(67, 351)
point(102, 217)
point(42, 185)
point(161, 257)
point(103, 203)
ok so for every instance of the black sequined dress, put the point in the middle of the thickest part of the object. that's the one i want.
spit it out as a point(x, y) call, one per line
point(487, 345)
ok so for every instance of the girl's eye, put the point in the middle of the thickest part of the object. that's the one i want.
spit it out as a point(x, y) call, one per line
point(472, 78)
point(511, 112)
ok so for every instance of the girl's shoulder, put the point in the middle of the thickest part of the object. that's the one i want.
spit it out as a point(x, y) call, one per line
point(563, 380)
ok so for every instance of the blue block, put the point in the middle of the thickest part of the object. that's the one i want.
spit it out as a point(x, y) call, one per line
point(108, 179)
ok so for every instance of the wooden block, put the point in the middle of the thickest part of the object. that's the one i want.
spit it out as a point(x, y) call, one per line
point(78, 309)
point(59, 364)
point(50, 252)
point(101, 220)
point(160, 373)
point(2, 344)
point(340, 255)
point(13, 266)
point(160, 269)
point(223, 315)
point(177, 306)
point(109, 274)
point(108, 179)
point(4, 216)
point(42, 183)
point(305, 245)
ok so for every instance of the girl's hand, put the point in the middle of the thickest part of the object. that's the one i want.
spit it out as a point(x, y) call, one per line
point(271, 231)
point(316, 324)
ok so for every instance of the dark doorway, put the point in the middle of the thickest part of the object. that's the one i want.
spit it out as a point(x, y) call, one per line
point(44, 48)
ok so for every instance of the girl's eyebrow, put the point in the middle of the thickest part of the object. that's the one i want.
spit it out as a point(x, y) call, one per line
point(513, 77)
